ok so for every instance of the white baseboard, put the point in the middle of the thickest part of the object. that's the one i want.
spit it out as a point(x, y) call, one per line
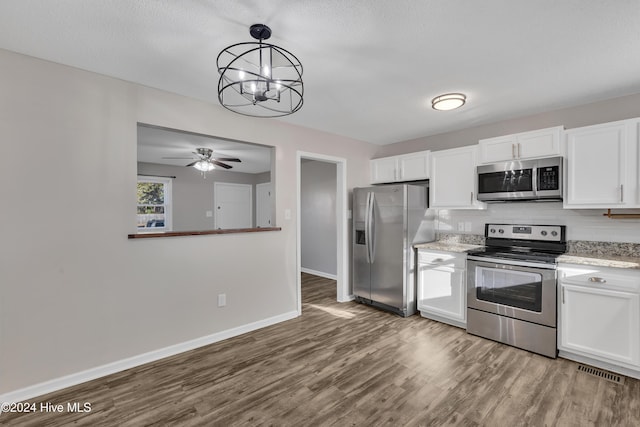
point(131, 362)
point(319, 273)
point(348, 299)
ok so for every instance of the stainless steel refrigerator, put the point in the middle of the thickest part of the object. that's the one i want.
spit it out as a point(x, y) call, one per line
point(387, 221)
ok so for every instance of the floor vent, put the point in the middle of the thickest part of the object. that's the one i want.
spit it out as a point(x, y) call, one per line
point(609, 376)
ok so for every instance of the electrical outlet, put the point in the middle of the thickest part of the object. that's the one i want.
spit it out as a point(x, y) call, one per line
point(209, 214)
point(461, 226)
point(287, 214)
point(467, 226)
point(222, 300)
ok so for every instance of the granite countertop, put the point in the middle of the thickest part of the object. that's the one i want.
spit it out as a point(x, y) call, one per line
point(582, 252)
point(440, 245)
point(601, 260)
point(602, 254)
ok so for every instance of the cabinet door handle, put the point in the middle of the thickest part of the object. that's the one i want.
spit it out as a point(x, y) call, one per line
point(471, 197)
point(519, 153)
point(438, 260)
point(513, 151)
point(595, 279)
point(563, 295)
point(621, 193)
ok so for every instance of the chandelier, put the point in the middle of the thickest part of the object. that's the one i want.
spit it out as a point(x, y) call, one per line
point(259, 79)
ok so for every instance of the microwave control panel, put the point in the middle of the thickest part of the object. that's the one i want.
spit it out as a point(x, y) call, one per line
point(548, 178)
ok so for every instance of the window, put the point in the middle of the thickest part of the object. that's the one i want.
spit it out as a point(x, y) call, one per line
point(154, 203)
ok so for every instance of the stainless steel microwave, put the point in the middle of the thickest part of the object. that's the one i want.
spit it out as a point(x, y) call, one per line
point(538, 179)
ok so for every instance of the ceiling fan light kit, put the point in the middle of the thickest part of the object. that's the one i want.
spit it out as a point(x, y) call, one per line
point(206, 162)
point(448, 101)
point(204, 166)
point(259, 79)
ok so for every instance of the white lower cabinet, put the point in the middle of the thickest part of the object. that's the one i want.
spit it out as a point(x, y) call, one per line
point(600, 317)
point(442, 286)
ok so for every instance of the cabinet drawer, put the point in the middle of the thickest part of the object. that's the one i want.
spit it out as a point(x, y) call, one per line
point(605, 280)
point(442, 259)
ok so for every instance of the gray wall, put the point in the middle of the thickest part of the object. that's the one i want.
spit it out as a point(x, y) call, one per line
point(318, 217)
point(193, 195)
point(75, 294)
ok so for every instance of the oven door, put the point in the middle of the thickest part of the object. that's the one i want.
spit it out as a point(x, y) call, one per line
point(521, 292)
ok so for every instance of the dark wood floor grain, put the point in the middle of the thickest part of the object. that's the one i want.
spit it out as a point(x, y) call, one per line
point(349, 365)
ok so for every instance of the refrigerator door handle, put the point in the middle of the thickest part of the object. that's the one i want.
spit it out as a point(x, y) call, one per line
point(366, 228)
point(372, 229)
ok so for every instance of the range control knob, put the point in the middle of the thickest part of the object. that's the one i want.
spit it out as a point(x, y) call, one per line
point(544, 233)
point(501, 231)
point(554, 233)
point(492, 231)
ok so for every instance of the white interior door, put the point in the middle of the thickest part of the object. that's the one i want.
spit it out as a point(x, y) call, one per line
point(263, 205)
point(234, 208)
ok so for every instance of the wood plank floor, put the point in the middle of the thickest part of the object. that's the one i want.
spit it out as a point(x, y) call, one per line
point(349, 365)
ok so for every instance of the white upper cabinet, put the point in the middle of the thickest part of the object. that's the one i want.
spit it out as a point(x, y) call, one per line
point(384, 170)
point(414, 166)
point(602, 166)
point(453, 182)
point(406, 167)
point(525, 145)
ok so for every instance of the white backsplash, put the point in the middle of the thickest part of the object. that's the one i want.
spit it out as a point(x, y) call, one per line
point(582, 224)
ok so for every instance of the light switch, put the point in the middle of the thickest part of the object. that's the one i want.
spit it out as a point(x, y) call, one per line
point(287, 214)
point(209, 214)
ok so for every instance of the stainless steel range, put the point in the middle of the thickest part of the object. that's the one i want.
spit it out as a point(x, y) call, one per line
point(511, 286)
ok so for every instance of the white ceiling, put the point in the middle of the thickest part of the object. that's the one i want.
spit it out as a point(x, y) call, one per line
point(371, 67)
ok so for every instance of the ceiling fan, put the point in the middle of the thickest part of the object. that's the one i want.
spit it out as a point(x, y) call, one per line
point(205, 160)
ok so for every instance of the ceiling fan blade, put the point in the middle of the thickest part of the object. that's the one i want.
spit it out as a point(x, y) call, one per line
point(185, 158)
point(191, 164)
point(222, 165)
point(227, 159)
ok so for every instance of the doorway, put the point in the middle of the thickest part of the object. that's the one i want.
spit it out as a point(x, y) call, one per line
point(263, 205)
point(341, 225)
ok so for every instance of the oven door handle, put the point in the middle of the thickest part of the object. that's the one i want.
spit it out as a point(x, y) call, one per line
point(515, 263)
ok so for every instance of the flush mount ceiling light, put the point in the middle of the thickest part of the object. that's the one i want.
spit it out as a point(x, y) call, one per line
point(259, 79)
point(448, 101)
